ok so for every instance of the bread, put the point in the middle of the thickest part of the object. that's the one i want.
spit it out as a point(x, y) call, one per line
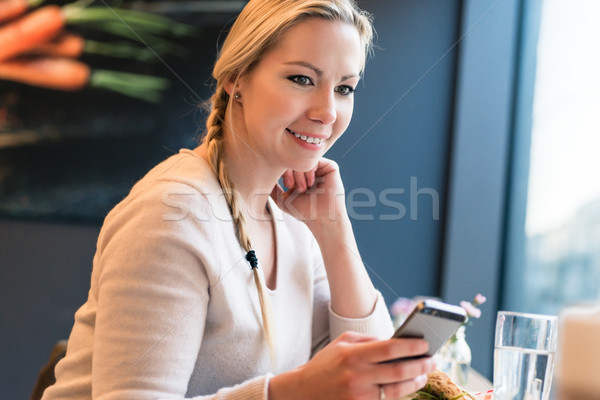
point(440, 383)
point(440, 386)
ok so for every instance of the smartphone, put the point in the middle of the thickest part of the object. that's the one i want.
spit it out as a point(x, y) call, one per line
point(433, 321)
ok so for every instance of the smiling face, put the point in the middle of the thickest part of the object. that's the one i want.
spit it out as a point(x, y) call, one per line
point(298, 100)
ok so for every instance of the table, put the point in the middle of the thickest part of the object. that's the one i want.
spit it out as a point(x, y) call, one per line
point(477, 382)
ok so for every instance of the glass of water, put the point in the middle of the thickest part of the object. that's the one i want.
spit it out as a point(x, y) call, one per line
point(524, 352)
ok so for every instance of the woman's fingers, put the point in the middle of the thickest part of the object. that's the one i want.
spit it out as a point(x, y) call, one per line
point(400, 389)
point(350, 367)
point(389, 357)
point(297, 180)
point(376, 351)
point(311, 176)
point(288, 178)
point(400, 371)
point(300, 181)
point(392, 349)
point(390, 363)
point(314, 195)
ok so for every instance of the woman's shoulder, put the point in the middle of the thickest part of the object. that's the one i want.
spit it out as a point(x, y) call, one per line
point(184, 168)
point(181, 189)
point(173, 214)
point(183, 178)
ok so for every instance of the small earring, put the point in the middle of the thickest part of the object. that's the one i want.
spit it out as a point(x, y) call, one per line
point(237, 95)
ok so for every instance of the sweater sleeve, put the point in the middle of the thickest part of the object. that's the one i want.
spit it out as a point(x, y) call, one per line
point(327, 325)
point(378, 323)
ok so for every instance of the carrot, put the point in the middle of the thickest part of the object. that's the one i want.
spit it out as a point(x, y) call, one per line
point(51, 73)
point(65, 45)
point(10, 9)
point(69, 75)
point(41, 25)
point(30, 30)
point(72, 45)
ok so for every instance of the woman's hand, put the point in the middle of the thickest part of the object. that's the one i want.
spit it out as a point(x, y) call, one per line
point(317, 198)
point(313, 196)
point(352, 368)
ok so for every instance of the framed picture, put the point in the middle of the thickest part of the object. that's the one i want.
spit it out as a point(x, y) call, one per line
point(71, 155)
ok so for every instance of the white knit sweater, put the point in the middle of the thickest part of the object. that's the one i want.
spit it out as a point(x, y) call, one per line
point(173, 311)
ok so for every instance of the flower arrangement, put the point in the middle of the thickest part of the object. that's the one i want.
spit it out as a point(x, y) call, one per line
point(472, 311)
point(454, 358)
point(400, 309)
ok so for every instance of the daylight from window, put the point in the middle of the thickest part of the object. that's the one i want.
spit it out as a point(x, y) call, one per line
point(563, 208)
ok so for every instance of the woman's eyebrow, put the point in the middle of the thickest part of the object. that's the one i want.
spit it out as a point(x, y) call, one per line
point(317, 70)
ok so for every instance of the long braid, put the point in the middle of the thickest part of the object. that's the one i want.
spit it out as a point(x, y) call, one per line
point(214, 141)
point(255, 31)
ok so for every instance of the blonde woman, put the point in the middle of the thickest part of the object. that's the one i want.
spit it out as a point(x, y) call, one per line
point(209, 280)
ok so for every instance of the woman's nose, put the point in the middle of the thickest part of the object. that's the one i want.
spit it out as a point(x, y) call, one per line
point(323, 108)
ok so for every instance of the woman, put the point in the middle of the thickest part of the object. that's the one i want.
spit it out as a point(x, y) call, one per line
point(209, 279)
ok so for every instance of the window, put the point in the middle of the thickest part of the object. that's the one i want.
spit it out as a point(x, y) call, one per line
point(559, 260)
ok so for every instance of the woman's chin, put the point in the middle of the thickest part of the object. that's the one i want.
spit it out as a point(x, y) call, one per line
point(305, 165)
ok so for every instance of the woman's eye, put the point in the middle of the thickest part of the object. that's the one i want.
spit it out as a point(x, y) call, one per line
point(345, 90)
point(300, 80)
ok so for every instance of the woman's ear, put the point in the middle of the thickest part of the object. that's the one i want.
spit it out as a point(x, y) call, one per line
point(231, 85)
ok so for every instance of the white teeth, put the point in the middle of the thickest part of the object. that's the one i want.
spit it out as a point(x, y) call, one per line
point(307, 139)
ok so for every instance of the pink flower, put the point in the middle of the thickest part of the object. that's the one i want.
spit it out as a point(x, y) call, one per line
point(471, 310)
point(402, 306)
point(479, 299)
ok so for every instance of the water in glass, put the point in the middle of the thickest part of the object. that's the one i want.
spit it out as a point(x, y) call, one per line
point(522, 374)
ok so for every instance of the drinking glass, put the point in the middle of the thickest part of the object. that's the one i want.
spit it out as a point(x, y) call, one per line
point(524, 352)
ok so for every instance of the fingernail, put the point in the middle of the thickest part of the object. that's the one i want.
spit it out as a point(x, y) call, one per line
point(287, 182)
point(421, 380)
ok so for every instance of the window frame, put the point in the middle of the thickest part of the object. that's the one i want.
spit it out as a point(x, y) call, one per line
point(489, 137)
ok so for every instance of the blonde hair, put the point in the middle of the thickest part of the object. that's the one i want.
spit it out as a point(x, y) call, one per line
point(256, 30)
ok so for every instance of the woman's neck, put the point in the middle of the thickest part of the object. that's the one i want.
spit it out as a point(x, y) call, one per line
point(252, 179)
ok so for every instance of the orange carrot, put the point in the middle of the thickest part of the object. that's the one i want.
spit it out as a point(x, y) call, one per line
point(69, 75)
point(52, 73)
point(71, 45)
point(30, 30)
point(65, 45)
point(10, 9)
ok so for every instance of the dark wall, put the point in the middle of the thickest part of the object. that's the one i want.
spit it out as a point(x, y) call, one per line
point(44, 277)
point(398, 140)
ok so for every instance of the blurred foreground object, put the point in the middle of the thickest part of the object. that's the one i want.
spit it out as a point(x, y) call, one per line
point(578, 358)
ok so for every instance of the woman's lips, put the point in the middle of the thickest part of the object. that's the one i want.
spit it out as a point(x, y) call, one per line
point(306, 138)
